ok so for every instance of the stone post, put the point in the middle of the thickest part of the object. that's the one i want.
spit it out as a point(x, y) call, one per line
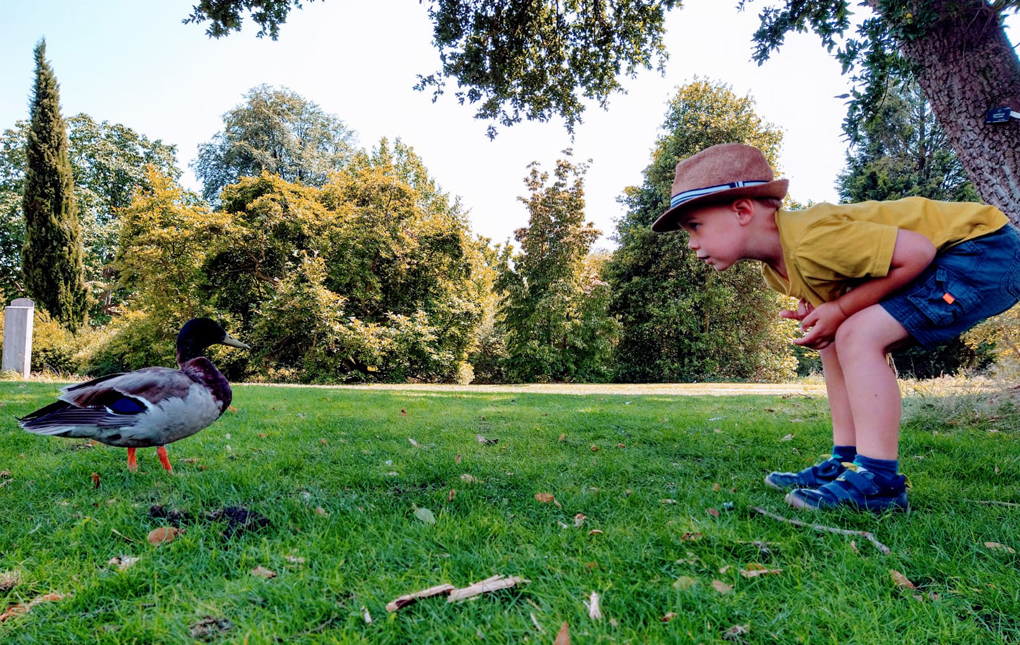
point(18, 319)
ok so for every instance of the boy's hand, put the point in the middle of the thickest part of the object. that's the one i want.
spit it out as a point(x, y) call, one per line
point(823, 323)
point(803, 308)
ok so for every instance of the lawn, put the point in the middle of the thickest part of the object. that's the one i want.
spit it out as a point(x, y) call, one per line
point(653, 512)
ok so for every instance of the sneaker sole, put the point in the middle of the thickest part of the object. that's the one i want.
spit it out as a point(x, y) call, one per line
point(797, 502)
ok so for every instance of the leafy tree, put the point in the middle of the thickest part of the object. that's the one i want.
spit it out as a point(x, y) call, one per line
point(901, 152)
point(108, 163)
point(682, 321)
point(52, 255)
point(165, 238)
point(380, 252)
point(959, 54)
point(539, 57)
point(276, 131)
point(555, 311)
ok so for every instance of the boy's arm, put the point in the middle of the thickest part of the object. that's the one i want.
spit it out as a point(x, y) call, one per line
point(911, 255)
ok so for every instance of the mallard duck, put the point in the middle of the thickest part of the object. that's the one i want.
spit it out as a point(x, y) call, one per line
point(152, 406)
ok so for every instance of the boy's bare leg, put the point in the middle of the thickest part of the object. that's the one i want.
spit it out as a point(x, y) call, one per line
point(843, 433)
point(874, 397)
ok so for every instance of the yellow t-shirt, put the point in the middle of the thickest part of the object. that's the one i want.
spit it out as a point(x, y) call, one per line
point(830, 248)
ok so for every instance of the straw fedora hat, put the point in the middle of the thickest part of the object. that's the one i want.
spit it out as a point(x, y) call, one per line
point(723, 172)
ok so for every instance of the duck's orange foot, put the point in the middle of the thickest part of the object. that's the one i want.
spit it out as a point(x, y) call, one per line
point(163, 459)
point(132, 464)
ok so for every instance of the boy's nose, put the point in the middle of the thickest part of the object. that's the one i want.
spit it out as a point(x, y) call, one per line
point(691, 244)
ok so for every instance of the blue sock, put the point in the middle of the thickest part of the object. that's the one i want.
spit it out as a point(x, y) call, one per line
point(884, 468)
point(844, 453)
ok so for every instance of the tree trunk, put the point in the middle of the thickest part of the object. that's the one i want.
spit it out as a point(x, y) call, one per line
point(967, 66)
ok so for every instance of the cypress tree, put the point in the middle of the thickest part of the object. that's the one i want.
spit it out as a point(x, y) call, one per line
point(52, 258)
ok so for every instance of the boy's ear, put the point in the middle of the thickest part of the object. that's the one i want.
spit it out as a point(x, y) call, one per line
point(744, 210)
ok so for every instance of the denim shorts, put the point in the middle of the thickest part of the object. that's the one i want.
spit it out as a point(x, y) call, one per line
point(963, 285)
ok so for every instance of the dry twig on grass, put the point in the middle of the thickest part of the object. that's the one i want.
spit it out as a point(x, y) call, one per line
point(991, 502)
point(495, 583)
point(828, 529)
point(411, 598)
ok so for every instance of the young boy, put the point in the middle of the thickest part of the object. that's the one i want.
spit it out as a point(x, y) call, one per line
point(871, 278)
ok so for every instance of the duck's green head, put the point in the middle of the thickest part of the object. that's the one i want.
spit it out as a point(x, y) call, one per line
point(198, 334)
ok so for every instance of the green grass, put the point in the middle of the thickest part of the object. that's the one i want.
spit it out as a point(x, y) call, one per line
point(59, 531)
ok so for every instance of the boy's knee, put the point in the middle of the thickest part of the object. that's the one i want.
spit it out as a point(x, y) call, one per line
point(852, 336)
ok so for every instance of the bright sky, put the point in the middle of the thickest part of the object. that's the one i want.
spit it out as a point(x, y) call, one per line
point(134, 63)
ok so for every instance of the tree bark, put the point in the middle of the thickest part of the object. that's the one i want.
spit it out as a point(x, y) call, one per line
point(967, 66)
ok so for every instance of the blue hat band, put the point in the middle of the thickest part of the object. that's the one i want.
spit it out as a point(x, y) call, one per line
point(688, 195)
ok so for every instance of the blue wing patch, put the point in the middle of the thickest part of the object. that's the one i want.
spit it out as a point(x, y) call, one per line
point(126, 405)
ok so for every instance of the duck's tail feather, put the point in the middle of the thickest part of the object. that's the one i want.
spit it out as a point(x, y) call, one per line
point(61, 419)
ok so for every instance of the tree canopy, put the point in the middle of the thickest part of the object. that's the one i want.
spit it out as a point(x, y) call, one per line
point(277, 131)
point(540, 58)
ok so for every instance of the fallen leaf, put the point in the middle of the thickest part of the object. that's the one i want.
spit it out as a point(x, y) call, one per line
point(208, 627)
point(685, 582)
point(594, 608)
point(95, 480)
point(853, 547)
point(9, 580)
point(162, 534)
point(456, 459)
point(545, 498)
point(322, 441)
point(754, 570)
point(403, 412)
point(425, 515)
point(262, 435)
point(691, 537)
point(901, 580)
point(414, 443)
point(716, 487)
point(594, 532)
point(594, 448)
point(725, 569)
point(123, 563)
point(620, 445)
point(996, 545)
point(722, 587)
point(717, 430)
point(411, 598)
point(563, 636)
point(24, 607)
point(294, 559)
point(263, 572)
point(667, 501)
point(232, 409)
point(482, 440)
point(787, 437)
point(734, 633)
point(668, 617)
point(452, 494)
point(579, 520)
point(713, 512)
point(468, 478)
point(563, 437)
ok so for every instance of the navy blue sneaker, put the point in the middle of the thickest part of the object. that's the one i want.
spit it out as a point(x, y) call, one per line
point(857, 488)
point(810, 477)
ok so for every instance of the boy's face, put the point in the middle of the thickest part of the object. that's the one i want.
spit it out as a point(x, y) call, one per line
point(716, 235)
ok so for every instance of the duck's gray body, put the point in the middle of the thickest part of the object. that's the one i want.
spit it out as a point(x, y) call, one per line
point(149, 407)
